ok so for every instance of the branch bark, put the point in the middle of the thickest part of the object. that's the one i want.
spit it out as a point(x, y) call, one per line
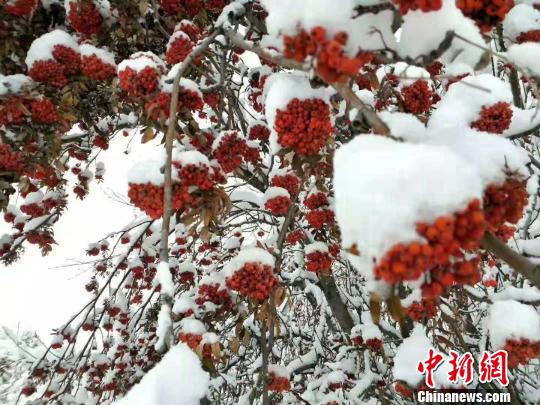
point(519, 263)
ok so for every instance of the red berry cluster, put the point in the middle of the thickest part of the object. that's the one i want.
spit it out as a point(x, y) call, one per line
point(254, 281)
point(214, 5)
point(319, 262)
point(101, 142)
point(55, 72)
point(521, 351)
point(316, 200)
point(195, 176)
point(10, 160)
point(212, 99)
point(43, 111)
point(33, 209)
point(138, 83)
point(288, 181)
point(279, 205)
point(203, 142)
point(43, 239)
point(231, 151)
point(278, 383)
point(304, 126)
point(417, 97)
point(191, 339)
point(12, 111)
point(21, 8)
point(178, 49)
point(529, 36)
point(68, 58)
point(332, 64)
point(158, 107)
point(96, 69)
point(495, 119)
point(190, 100)
point(419, 310)
point(318, 218)
point(84, 17)
point(216, 294)
point(424, 5)
point(295, 236)
point(444, 238)
point(486, 13)
point(259, 132)
point(505, 204)
point(190, 7)
point(149, 198)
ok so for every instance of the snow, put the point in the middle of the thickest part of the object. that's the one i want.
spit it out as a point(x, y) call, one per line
point(526, 56)
point(34, 198)
point(491, 155)
point(525, 294)
point(191, 157)
point(411, 351)
point(146, 172)
point(177, 379)
point(249, 255)
point(164, 326)
point(234, 9)
point(273, 192)
point(13, 84)
point(192, 325)
point(463, 101)
point(372, 209)
point(316, 247)
point(140, 60)
point(279, 90)
point(176, 35)
point(403, 125)
point(104, 55)
point(415, 42)
point(521, 18)
point(285, 17)
point(278, 370)
point(512, 320)
point(165, 279)
point(42, 47)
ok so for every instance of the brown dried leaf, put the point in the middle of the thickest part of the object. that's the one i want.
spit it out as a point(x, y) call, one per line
point(148, 135)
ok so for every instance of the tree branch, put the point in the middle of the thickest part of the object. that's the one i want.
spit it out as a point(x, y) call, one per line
point(519, 263)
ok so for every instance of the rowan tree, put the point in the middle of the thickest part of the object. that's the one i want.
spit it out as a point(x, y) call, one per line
point(338, 186)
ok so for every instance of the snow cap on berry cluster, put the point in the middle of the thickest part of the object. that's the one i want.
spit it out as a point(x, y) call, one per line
point(464, 100)
point(411, 351)
point(103, 55)
point(140, 60)
point(190, 157)
point(414, 42)
point(42, 48)
point(147, 171)
point(383, 188)
point(492, 156)
point(286, 17)
point(273, 192)
point(280, 89)
point(249, 255)
point(526, 56)
point(368, 31)
point(192, 325)
point(316, 247)
point(278, 370)
point(521, 18)
point(13, 84)
point(512, 320)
